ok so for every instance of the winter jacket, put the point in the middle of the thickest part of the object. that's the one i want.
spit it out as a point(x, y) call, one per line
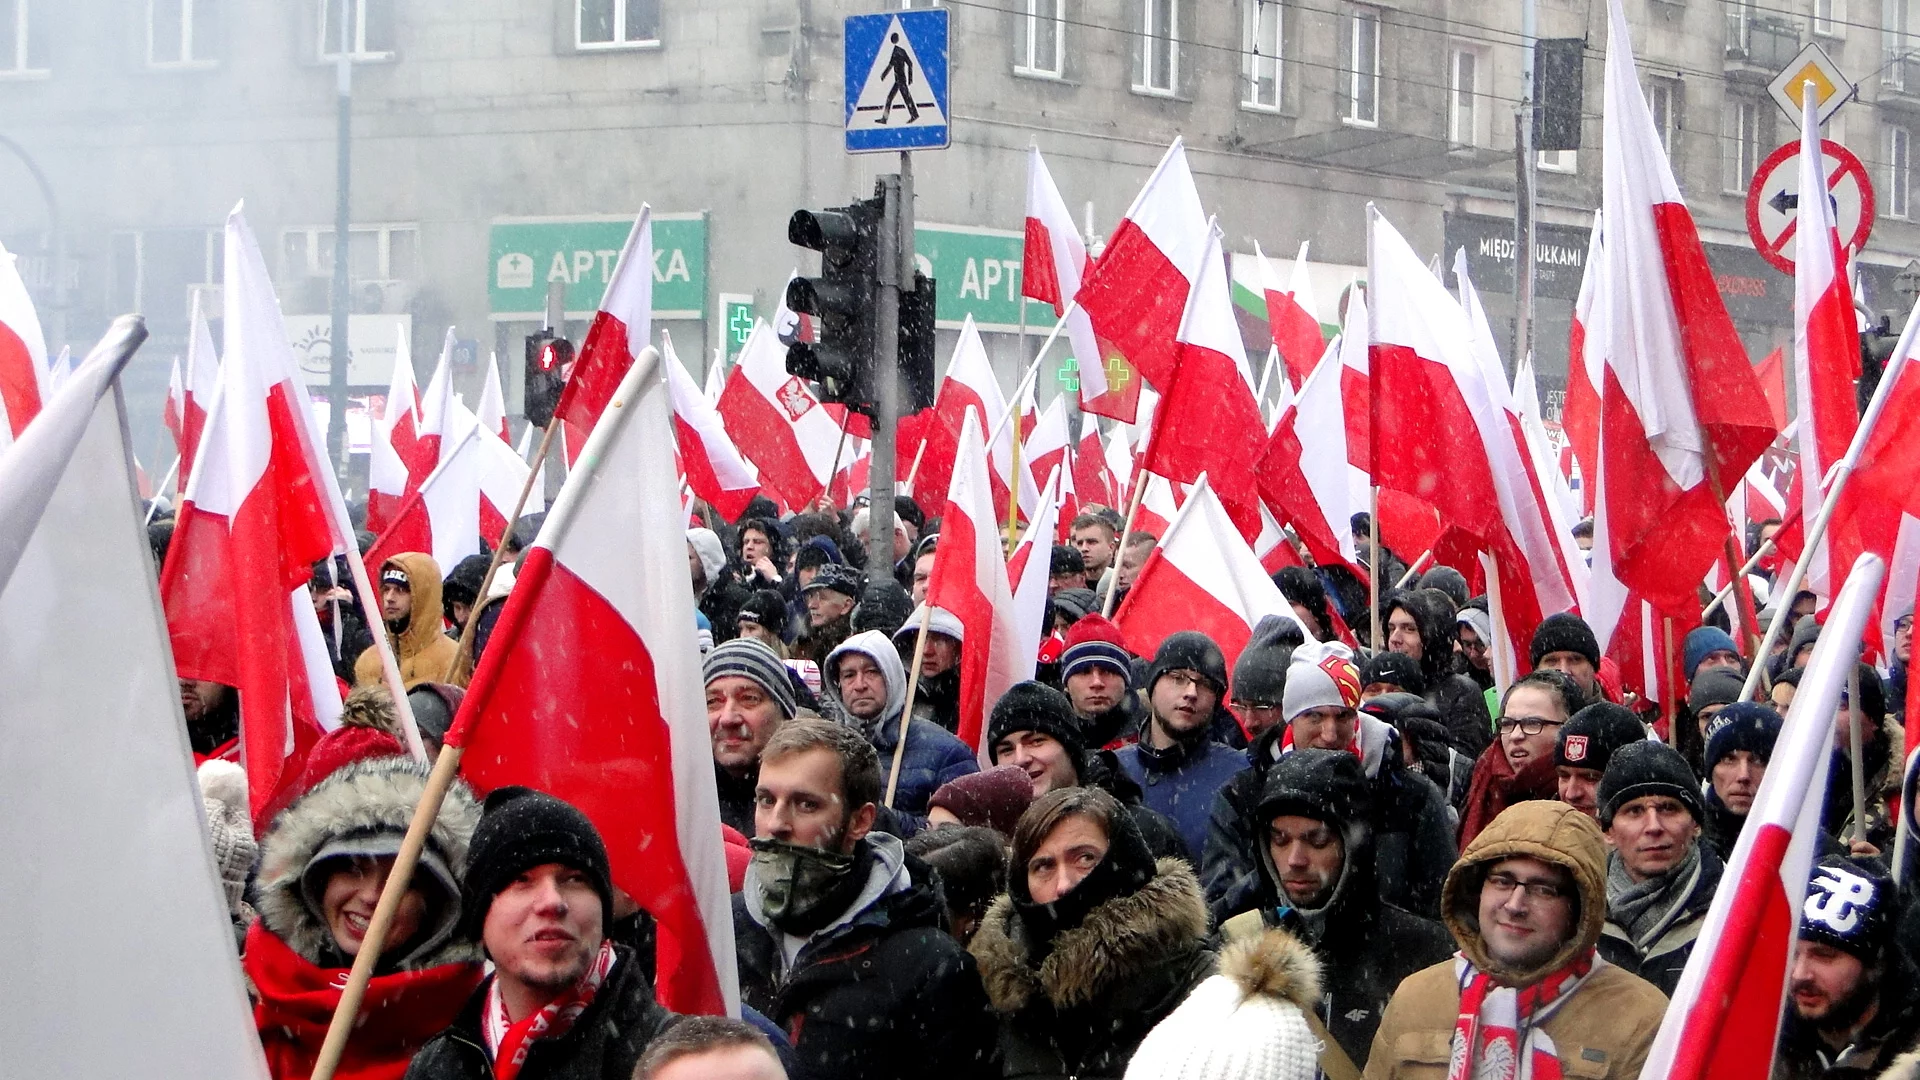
point(721, 604)
point(424, 651)
point(1412, 829)
point(1083, 1010)
point(1182, 780)
point(1495, 787)
point(820, 641)
point(1101, 769)
point(1881, 757)
point(736, 797)
point(1661, 954)
point(291, 958)
point(933, 755)
point(1117, 727)
point(1461, 702)
point(1601, 1032)
point(884, 992)
point(604, 1043)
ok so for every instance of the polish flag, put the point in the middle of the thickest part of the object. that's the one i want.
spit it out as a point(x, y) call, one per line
point(1158, 506)
point(442, 516)
point(436, 415)
point(1725, 1017)
point(969, 384)
point(394, 465)
point(1067, 505)
point(503, 476)
point(1310, 489)
point(1117, 455)
point(1136, 294)
point(252, 523)
point(1203, 577)
point(1030, 570)
point(777, 423)
point(1093, 480)
point(1562, 501)
point(1826, 363)
point(1586, 364)
point(1272, 547)
point(1053, 263)
point(591, 697)
point(493, 402)
point(1772, 373)
point(621, 328)
point(1208, 421)
point(1356, 383)
point(715, 383)
point(970, 580)
point(1290, 317)
point(23, 353)
point(713, 465)
point(190, 389)
point(1660, 520)
point(1044, 451)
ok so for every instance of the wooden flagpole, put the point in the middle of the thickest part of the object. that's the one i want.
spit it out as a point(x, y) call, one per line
point(913, 687)
point(462, 667)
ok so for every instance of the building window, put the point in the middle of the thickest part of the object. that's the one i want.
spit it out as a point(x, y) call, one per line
point(367, 26)
point(1260, 45)
point(1042, 39)
point(1899, 171)
point(1739, 19)
point(1468, 121)
point(23, 37)
point(616, 24)
point(180, 33)
point(1360, 63)
point(1559, 161)
point(157, 271)
point(383, 268)
point(1740, 137)
point(1663, 100)
point(1159, 71)
point(1829, 20)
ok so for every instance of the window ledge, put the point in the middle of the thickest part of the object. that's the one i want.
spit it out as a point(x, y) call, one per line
point(26, 74)
point(1148, 91)
point(388, 57)
point(1349, 121)
point(587, 47)
point(1038, 74)
point(169, 67)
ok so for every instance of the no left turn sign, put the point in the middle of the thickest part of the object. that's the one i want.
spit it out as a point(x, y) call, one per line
point(1773, 201)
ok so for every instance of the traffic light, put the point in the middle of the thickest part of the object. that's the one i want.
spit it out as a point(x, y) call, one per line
point(841, 299)
point(916, 346)
point(549, 359)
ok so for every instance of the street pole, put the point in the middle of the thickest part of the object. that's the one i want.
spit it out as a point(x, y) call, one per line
point(1525, 191)
point(338, 346)
point(894, 271)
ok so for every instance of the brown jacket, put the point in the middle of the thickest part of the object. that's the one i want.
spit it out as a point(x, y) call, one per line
point(424, 651)
point(1602, 1032)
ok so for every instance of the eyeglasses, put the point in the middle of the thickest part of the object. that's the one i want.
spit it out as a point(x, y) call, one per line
point(1528, 725)
point(1189, 678)
point(1475, 646)
point(1504, 884)
point(1261, 708)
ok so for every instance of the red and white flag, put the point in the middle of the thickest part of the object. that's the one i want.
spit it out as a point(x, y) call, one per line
point(253, 521)
point(1045, 450)
point(395, 464)
point(503, 476)
point(23, 353)
point(777, 423)
point(1207, 420)
point(1093, 480)
point(1826, 363)
point(1586, 366)
point(1158, 505)
point(493, 402)
point(591, 692)
point(436, 414)
point(1303, 469)
point(1666, 454)
point(1724, 1020)
point(1118, 455)
point(969, 384)
point(1053, 263)
point(970, 580)
point(1030, 568)
point(1290, 316)
point(621, 328)
point(190, 389)
point(1356, 382)
point(714, 467)
point(1136, 294)
point(1203, 577)
point(442, 516)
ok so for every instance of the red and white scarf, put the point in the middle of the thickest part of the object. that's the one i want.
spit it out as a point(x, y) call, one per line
point(1488, 1043)
point(509, 1042)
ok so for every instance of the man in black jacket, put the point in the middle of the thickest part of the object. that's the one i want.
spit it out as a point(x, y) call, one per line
point(1317, 883)
point(563, 999)
point(1661, 876)
point(1415, 627)
point(840, 934)
point(1851, 987)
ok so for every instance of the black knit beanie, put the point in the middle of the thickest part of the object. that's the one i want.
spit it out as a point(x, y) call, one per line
point(1394, 669)
point(519, 829)
point(1260, 674)
point(1744, 725)
point(1594, 734)
point(1648, 768)
point(1850, 906)
point(1190, 650)
point(1032, 706)
point(1565, 632)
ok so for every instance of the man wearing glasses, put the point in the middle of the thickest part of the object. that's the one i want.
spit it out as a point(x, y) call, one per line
point(1177, 762)
point(1520, 763)
point(1526, 995)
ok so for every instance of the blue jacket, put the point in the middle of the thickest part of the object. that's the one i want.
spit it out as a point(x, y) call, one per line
point(933, 755)
point(1181, 781)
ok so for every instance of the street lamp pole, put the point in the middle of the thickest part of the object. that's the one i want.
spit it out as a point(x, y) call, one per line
point(342, 248)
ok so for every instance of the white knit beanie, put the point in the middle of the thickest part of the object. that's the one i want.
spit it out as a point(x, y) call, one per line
point(1245, 1023)
point(1320, 674)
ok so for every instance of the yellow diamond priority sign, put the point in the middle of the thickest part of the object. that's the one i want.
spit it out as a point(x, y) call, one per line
point(1831, 87)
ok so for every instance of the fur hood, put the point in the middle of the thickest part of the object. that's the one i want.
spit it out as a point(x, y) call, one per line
point(1904, 1067)
point(1117, 941)
point(366, 805)
point(1273, 964)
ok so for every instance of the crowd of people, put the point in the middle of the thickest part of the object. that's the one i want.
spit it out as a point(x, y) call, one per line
point(1331, 857)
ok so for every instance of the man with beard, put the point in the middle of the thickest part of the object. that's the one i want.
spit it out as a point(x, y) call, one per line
point(1850, 987)
point(1317, 877)
point(839, 931)
point(1660, 877)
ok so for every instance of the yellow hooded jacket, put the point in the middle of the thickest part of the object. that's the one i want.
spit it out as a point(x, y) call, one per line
point(425, 653)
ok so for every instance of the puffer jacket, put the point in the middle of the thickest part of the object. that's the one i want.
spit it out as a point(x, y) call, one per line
point(1181, 781)
point(424, 651)
point(291, 959)
point(1601, 1032)
point(1083, 1010)
point(933, 755)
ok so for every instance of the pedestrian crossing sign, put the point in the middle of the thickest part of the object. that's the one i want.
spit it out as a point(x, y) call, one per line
point(896, 89)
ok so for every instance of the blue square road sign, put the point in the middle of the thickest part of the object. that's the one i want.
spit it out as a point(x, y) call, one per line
point(896, 88)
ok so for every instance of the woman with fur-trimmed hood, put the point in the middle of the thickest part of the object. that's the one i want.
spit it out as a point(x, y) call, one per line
point(1093, 943)
point(322, 865)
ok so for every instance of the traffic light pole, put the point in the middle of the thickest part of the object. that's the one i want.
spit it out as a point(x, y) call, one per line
point(894, 271)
